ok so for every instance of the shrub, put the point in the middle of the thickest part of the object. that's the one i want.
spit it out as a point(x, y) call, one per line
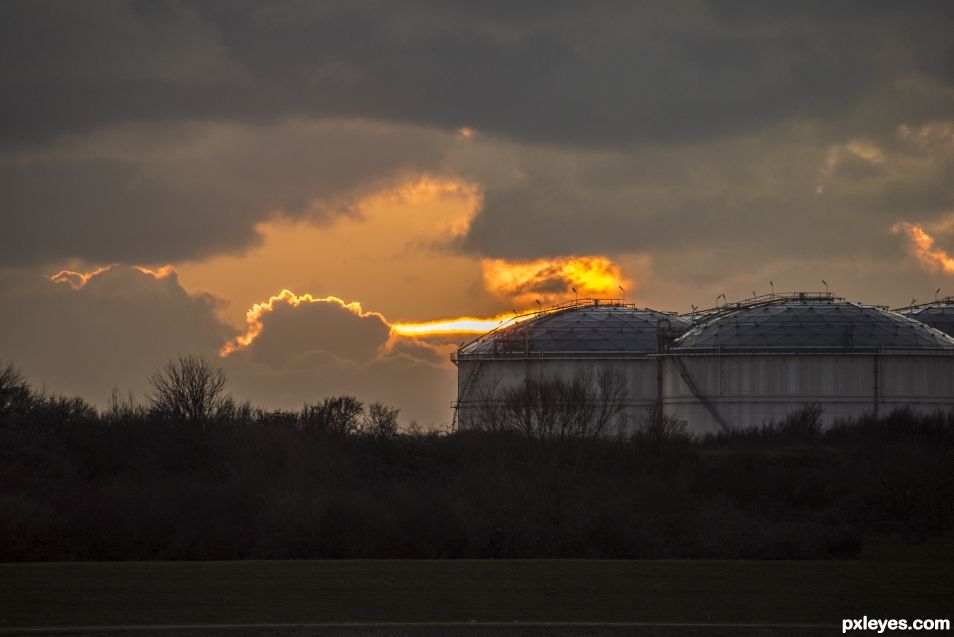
point(337, 415)
point(189, 389)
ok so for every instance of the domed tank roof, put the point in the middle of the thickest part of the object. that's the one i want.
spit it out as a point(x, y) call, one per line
point(588, 328)
point(812, 321)
point(939, 315)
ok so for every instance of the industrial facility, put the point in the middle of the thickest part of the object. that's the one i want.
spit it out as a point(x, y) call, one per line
point(938, 314)
point(734, 366)
point(587, 338)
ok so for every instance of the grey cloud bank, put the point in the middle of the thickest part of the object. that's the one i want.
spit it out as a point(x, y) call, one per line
point(159, 193)
point(162, 131)
point(665, 88)
point(564, 73)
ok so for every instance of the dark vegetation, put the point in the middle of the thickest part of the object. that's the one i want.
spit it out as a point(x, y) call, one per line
point(192, 475)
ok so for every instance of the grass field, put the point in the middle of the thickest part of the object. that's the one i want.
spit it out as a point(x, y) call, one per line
point(916, 582)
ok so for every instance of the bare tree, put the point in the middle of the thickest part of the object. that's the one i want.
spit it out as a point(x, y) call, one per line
point(482, 408)
point(380, 421)
point(582, 407)
point(15, 392)
point(339, 415)
point(188, 389)
point(122, 408)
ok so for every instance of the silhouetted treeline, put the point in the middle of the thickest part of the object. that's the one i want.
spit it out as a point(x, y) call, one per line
point(338, 480)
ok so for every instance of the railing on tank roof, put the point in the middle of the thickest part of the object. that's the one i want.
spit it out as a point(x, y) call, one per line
point(698, 316)
point(794, 350)
point(545, 311)
point(944, 301)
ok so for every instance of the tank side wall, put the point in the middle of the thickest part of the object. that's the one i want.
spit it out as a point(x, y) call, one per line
point(482, 382)
point(750, 390)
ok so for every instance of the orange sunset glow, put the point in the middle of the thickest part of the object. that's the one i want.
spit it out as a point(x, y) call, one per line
point(931, 257)
point(159, 273)
point(462, 325)
point(515, 283)
point(391, 254)
point(390, 251)
point(77, 280)
point(553, 280)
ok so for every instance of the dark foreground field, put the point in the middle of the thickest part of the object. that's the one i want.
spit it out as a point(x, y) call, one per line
point(594, 597)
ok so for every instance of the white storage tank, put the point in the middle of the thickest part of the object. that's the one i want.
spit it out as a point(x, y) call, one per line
point(938, 314)
point(592, 339)
point(754, 363)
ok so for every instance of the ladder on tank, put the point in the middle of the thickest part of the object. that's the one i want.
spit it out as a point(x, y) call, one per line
point(684, 373)
point(463, 392)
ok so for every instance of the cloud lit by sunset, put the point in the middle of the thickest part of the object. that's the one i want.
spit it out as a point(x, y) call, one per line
point(415, 193)
point(159, 273)
point(553, 280)
point(462, 325)
point(256, 313)
point(77, 280)
point(523, 283)
point(392, 252)
point(459, 325)
point(932, 258)
point(514, 283)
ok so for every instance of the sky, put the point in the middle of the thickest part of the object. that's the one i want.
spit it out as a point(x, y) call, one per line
point(328, 197)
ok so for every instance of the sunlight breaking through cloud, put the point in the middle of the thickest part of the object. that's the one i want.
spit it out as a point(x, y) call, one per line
point(518, 283)
point(462, 325)
point(933, 259)
point(255, 320)
point(553, 280)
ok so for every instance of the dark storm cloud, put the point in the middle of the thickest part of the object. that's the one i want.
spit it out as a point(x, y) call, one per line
point(610, 127)
point(113, 332)
point(107, 210)
point(324, 327)
point(563, 73)
point(168, 193)
point(792, 192)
